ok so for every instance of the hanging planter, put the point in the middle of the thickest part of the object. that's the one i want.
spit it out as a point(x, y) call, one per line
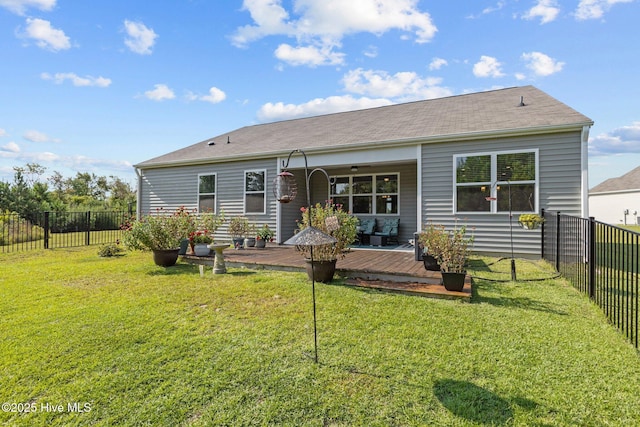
point(530, 221)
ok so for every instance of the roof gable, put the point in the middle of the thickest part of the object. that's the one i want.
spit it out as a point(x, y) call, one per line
point(628, 181)
point(470, 114)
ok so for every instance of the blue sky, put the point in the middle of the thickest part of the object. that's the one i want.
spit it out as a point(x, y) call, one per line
point(99, 86)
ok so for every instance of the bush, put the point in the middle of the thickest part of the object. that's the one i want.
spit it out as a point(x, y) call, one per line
point(110, 250)
point(14, 229)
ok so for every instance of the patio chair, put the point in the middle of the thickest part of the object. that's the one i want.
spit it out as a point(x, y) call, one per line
point(367, 227)
point(390, 230)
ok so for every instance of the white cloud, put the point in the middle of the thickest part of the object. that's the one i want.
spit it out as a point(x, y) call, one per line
point(215, 96)
point(541, 64)
point(20, 6)
point(324, 23)
point(546, 10)
point(76, 80)
point(371, 52)
point(308, 55)
point(403, 85)
point(160, 93)
point(45, 35)
point(437, 63)
point(3, 132)
point(487, 67)
point(625, 139)
point(10, 147)
point(36, 136)
point(140, 38)
point(333, 104)
point(595, 9)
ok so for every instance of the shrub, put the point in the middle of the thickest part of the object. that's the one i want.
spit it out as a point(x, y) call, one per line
point(109, 250)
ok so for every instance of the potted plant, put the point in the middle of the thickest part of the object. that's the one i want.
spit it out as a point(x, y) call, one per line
point(187, 224)
point(238, 228)
point(530, 221)
point(429, 237)
point(264, 235)
point(451, 249)
point(332, 220)
point(200, 240)
point(250, 239)
point(160, 233)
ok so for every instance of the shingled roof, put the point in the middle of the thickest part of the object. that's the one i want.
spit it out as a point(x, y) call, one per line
point(626, 182)
point(474, 115)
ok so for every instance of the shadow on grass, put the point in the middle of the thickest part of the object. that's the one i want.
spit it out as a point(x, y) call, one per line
point(510, 301)
point(467, 400)
point(188, 269)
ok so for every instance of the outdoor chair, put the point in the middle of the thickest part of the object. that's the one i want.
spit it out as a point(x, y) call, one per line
point(389, 230)
point(367, 227)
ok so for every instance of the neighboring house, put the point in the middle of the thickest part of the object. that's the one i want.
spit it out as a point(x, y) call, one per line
point(617, 200)
point(444, 160)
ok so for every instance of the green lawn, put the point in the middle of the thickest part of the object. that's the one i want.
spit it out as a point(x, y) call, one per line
point(135, 344)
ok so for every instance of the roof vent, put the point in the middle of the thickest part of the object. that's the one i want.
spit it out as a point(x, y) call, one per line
point(522, 104)
point(211, 142)
point(228, 140)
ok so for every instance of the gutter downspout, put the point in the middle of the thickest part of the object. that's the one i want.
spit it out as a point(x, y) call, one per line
point(584, 139)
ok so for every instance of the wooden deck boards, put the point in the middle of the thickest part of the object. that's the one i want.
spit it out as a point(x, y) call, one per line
point(389, 270)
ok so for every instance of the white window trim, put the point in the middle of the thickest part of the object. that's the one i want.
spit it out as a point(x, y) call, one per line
point(373, 194)
point(244, 192)
point(215, 191)
point(495, 182)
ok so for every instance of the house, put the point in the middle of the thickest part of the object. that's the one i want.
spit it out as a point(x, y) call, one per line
point(617, 200)
point(452, 160)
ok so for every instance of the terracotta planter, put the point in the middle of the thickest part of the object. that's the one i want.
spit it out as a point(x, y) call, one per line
point(323, 271)
point(453, 281)
point(430, 263)
point(165, 257)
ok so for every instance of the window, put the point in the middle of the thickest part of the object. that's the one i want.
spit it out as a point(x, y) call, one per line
point(254, 192)
point(483, 182)
point(366, 194)
point(207, 193)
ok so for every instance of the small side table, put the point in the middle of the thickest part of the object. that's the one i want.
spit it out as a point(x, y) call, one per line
point(378, 240)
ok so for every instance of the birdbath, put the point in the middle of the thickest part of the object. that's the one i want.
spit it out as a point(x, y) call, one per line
point(218, 262)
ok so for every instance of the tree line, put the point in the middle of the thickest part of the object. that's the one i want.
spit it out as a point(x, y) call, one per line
point(31, 192)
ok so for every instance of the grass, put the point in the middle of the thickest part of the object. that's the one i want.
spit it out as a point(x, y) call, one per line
point(143, 345)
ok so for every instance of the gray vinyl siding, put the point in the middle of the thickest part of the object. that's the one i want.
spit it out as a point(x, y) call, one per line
point(170, 188)
point(559, 189)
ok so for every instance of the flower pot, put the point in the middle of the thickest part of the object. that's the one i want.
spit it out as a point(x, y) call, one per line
point(322, 271)
point(201, 249)
point(453, 281)
point(430, 263)
point(260, 243)
point(238, 242)
point(249, 242)
point(184, 244)
point(165, 257)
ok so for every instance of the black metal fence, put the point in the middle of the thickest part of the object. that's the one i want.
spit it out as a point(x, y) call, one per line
point(48, 230)
point(600, 260)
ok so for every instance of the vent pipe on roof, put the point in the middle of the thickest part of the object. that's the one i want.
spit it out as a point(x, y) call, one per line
point(211, 142)
point(228, 140)
point(522, 104)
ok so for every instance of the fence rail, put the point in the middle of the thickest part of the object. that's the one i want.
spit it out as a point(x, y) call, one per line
point(600, 260)
point(48, 230)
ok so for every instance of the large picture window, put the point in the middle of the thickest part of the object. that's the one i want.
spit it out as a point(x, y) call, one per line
point(483, 182)
point(254, 192)
point(207, 193)
point(367, 194)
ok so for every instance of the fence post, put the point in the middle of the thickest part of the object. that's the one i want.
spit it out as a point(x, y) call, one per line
point(88, 235)
point(592, 257)
point(558, 241)
point(46, 230)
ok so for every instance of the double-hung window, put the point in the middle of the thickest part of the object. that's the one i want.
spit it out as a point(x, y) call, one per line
point(496, 182)
point(366, 194)
point(254, 191)
point(207, 193)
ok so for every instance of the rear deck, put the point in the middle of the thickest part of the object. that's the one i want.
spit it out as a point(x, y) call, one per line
point(390, 270)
